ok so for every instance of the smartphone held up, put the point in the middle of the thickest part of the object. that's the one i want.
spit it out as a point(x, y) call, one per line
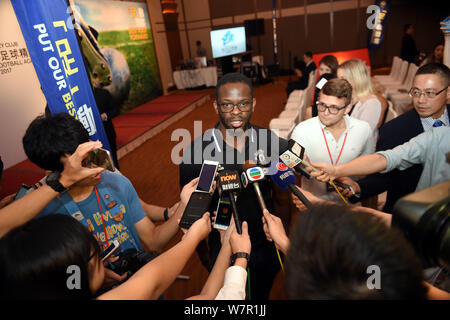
point(100, 158)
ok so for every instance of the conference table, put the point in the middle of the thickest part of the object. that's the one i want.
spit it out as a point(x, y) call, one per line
point(195, 78)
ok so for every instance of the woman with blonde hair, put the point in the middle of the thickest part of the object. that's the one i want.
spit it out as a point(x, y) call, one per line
point(366, 105)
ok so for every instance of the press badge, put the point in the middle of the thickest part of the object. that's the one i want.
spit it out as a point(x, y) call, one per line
point(78, 215)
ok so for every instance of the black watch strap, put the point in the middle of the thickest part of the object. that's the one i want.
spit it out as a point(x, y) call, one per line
point(52, 180)
point(239, 255)
point(166, 214)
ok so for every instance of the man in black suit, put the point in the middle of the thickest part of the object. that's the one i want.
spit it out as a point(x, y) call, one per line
point(409, 50)
point(429, 92)
point(310, 65)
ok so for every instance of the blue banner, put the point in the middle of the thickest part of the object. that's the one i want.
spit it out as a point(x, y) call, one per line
point(377, 22)
point(53, 47)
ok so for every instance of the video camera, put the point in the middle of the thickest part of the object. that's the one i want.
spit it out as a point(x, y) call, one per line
point(424, 218)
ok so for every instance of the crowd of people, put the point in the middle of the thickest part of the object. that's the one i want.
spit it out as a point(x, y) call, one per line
point(81, 210)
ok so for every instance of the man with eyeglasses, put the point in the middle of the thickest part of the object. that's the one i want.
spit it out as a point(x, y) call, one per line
point(333, 136)
point(430, 94)
point(232, 142)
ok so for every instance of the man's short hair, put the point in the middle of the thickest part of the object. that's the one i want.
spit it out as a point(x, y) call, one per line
point(198, 42)
point(308, 54)
point(439, 69)
point(339, 88)
point(332, 248)
point(234, 77)
point(47, 139)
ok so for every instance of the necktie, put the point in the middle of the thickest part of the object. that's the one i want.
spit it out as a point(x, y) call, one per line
point(438, 123)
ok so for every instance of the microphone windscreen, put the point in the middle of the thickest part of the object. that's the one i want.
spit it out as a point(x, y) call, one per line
point(283, 176)
point(229, 181)
point(255, 174)
point(296, 148)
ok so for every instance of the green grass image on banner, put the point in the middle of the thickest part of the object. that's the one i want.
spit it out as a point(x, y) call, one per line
point(145, 81)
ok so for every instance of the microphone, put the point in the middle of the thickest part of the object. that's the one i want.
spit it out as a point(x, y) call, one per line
point(293, 157)
point(285, 179)
point(252, 174)
point(229, 183)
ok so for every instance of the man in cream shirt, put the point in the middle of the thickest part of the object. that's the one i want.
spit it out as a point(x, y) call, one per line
point(333, 137)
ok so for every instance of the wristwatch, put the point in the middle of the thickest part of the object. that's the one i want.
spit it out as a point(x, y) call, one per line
point(238, 255)
point(53, 181)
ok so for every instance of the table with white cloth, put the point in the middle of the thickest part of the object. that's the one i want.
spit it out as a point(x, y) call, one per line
point(195, 78)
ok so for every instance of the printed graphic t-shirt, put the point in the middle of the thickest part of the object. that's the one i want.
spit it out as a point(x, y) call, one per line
point(120, 211)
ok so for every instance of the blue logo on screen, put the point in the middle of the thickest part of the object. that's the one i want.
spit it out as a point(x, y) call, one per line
point(228, 37)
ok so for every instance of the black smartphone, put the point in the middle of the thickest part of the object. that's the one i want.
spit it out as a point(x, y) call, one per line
point(101, 158)
point(224, 212)
point(197, 206)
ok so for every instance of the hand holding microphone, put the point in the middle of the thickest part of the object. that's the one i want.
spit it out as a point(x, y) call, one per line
point(285, 179)
point(308, 195)
point(274, 230)
point(230, 184)
point(295, 155)
point(347, 186)
point(323, 171)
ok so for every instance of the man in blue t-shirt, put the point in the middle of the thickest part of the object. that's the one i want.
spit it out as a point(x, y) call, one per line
point(120, 214)
point(107, 204)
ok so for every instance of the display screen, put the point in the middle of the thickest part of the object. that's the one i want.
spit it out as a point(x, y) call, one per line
point(224, 212)
point(227, 42)
point(207, 176)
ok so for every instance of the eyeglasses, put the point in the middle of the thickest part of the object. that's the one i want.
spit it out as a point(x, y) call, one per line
point(430, 94)
point(243, 106)
point(331, 109)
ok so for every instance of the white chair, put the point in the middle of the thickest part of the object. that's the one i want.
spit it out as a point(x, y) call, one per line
point(295, 96)
point(282, 127)
point(312, 78)
point(395, 68)
point(406, 85)
point(400, 76)
point(292, 106)
point(391, 114)
point(290, 114)
point(308, 95)
point(401, 102)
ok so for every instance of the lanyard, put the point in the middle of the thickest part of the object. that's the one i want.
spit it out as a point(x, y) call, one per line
point(328, 149)
point(76, 213)
point(101, 216)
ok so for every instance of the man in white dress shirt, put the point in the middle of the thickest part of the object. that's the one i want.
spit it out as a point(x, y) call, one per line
point(333, 137)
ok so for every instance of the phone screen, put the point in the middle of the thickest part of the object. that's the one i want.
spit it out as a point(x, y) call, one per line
point(207, 176)
point(198, 204)
point(223, 213)
point(101, 158)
